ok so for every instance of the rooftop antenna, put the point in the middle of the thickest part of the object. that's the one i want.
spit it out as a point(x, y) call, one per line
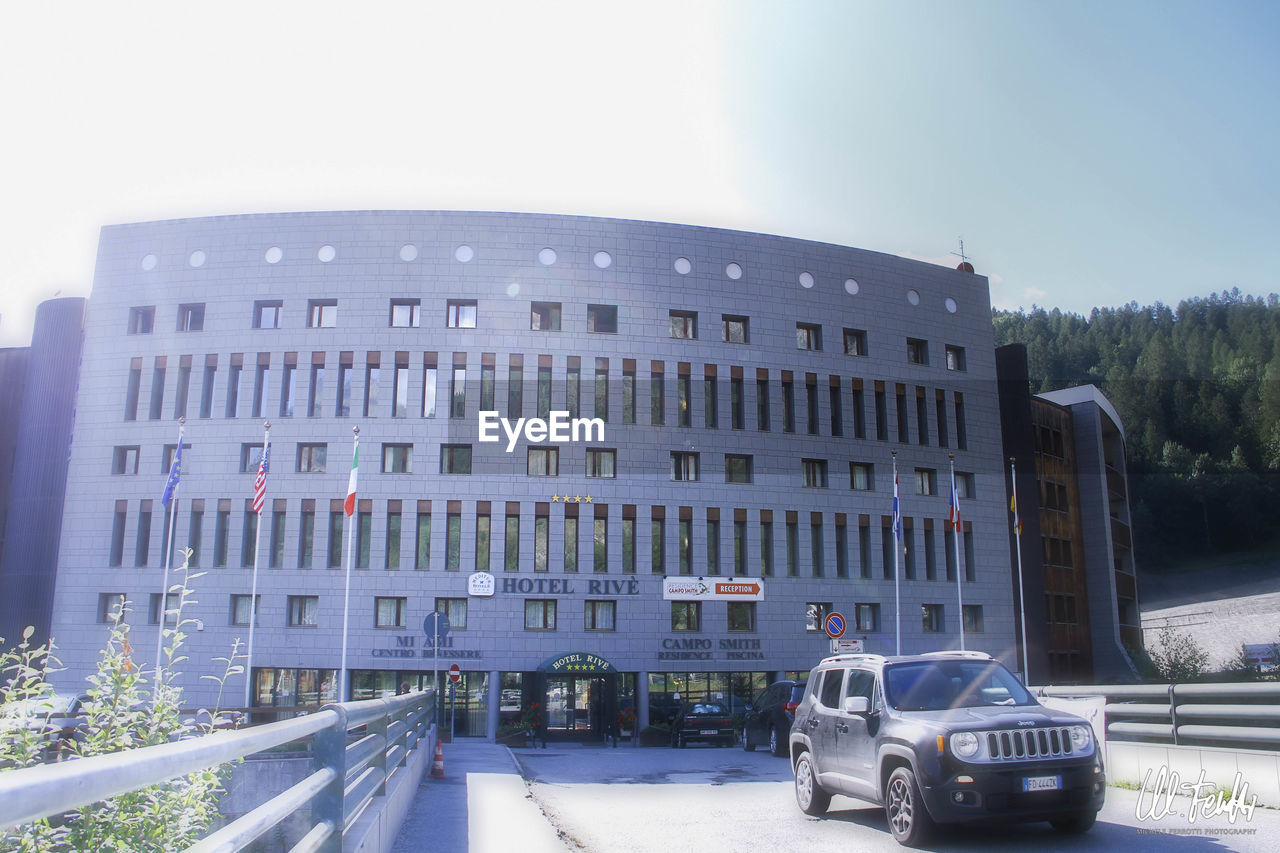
point(964, 265)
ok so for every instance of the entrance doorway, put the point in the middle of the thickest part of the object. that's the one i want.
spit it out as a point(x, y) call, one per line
point(574, 707)
point(578, 693)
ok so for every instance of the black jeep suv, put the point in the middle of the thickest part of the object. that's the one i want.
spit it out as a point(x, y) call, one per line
point(944, 737)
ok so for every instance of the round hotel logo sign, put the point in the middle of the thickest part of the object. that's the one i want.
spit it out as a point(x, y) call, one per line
point(480, 583)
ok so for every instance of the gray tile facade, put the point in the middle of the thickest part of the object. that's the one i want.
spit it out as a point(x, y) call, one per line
point(503, 278)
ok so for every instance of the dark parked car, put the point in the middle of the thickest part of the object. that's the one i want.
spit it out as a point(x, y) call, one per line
point(705, 720)
point(768, 719)
point(938, 738)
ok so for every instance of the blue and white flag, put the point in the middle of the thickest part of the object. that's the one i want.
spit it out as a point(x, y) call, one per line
point(897, 511)
point(175, 474)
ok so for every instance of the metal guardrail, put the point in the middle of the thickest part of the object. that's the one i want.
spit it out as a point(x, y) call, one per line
point(1241, 715)
point(345, 776)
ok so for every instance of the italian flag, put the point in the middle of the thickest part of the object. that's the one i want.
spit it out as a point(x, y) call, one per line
point(350, 506)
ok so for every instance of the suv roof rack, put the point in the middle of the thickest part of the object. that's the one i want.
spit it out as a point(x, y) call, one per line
point(853, 657)
point(957, 653)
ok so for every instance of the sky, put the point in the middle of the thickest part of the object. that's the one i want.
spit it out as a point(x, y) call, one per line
point(1089, 153)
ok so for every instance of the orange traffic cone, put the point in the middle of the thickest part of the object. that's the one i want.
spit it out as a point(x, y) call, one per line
point(437, 763)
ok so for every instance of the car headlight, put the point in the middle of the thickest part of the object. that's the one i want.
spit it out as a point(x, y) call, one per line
point(964, 744)
point(1081, 737)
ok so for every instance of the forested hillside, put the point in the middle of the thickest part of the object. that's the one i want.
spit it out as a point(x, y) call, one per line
point(1198, 388)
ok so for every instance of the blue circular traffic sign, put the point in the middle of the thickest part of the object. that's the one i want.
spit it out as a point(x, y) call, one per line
point(436, 624)
point(834, 625)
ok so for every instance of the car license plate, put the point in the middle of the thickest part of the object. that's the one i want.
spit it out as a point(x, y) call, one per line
point(1042, 783)
point(708, 732)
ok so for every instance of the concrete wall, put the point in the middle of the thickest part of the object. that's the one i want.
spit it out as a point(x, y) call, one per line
point(1131, 762)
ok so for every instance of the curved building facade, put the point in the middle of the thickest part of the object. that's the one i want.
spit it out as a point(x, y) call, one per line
point(747, 396)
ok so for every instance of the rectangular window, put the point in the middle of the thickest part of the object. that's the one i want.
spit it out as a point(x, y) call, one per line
point(124, 460)
point(544, 388)
point(515, 388)
point(243, 609)
point(322, 313)
point(335, 536)
point(917, 351)
point(400, 388)
point(868, 618)
point(406, 313)
point(964, 489)
point(540, 614)
point(455, 459)
point(601, 463)
point(602, 318)
point(571, 539)
point(132, 390)
point(184, 387)
point(922, 417)
point(684, 466)
point(931, 618)
point(250, 458)
point(809, 336)
point(686, 616)
point(484, 536)
point(234, 375)
point(837, 409)
point(267, 313)
point(859, 416)
point(455, 610)
point(600, 615)
point(955, 358)
point(766, 544)
point(861, 476)
point(600, 540)
point(737, 403)
point(816, 544)
point(372, 384)
point(657, 544)
point(930, 553)
point(813, 473)
point(882, 414)
point(315, 395)
point(397, 458)
point(541, 540)
point(142, 320)
point(288, 385)
point(389, 612)
point(629, 539)
point(739, 542)
point(364, 534)
point(191, 317)
point(422, 537)
point(248, 536)
point(962, 433)
point(453, 541)
point(429, 391)
point(602, 389)
point(684, 390)
point(488, 377)
point(657, 394)
point(275, 552)
point(312, 458)
point(573, 386)
point(815, 615)
point(304, 611)
point(811, 403)
point(737, 468)
point(460, 314)
point(762, 403)
point(940, 411)
point(742, 616)
point(511, 555)
point(713, 545)
point(973, 619)
point(969, 564)
point(926, 481)
point(116, 556)
point(788, 403)
point(864, 547)
point(221, 534)
point(855, 342)
point(793, 545)
point(842, 548)
point(903, 430)
point(109, 605)
point(458, 392)
point(142, 546)
point(157, 390)
point(710, 405)
point(684, 544)
point(733, 329)
point(195, 531)
point(172, 602)
point(684, 325)
point(544, 462)
point(544, 316)
point(306, 533)
point(261, 378)
point(628, 391)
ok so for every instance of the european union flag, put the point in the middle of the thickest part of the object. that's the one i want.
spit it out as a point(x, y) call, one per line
point(175, 474)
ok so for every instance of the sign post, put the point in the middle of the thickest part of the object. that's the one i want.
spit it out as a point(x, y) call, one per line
point(436, 626)
point(455, 673)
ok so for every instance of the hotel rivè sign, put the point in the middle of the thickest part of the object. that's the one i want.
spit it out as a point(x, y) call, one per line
point(712, 589)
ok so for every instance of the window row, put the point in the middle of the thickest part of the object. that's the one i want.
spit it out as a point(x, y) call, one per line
point(572, 539)
point(543, 316)
point(866, 618)
point(859, 409)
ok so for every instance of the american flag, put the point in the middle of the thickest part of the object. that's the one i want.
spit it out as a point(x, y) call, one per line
point(260, 483)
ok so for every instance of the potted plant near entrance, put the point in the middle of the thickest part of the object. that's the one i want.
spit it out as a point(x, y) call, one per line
point(626, 722)
point(528, 732)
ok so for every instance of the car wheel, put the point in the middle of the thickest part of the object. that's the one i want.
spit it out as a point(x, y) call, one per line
point(1074, 824)
point(777, 743)
point(810, 796)
point(909, 821)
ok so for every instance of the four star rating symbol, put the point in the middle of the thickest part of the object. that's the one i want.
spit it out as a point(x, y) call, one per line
point(571, 499)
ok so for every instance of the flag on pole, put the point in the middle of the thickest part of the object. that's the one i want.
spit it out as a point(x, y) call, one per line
point(260, 482)
point(897, 513)
point(953, 512)
point(175, 474)
point(350, 506)
point(1013, 507)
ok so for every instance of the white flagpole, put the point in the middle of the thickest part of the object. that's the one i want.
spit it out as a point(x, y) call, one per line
point(253, 594)
point(897, 546)
point(346, 596)
point(1022, 602)
point(168, 549)
point(959, 531)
